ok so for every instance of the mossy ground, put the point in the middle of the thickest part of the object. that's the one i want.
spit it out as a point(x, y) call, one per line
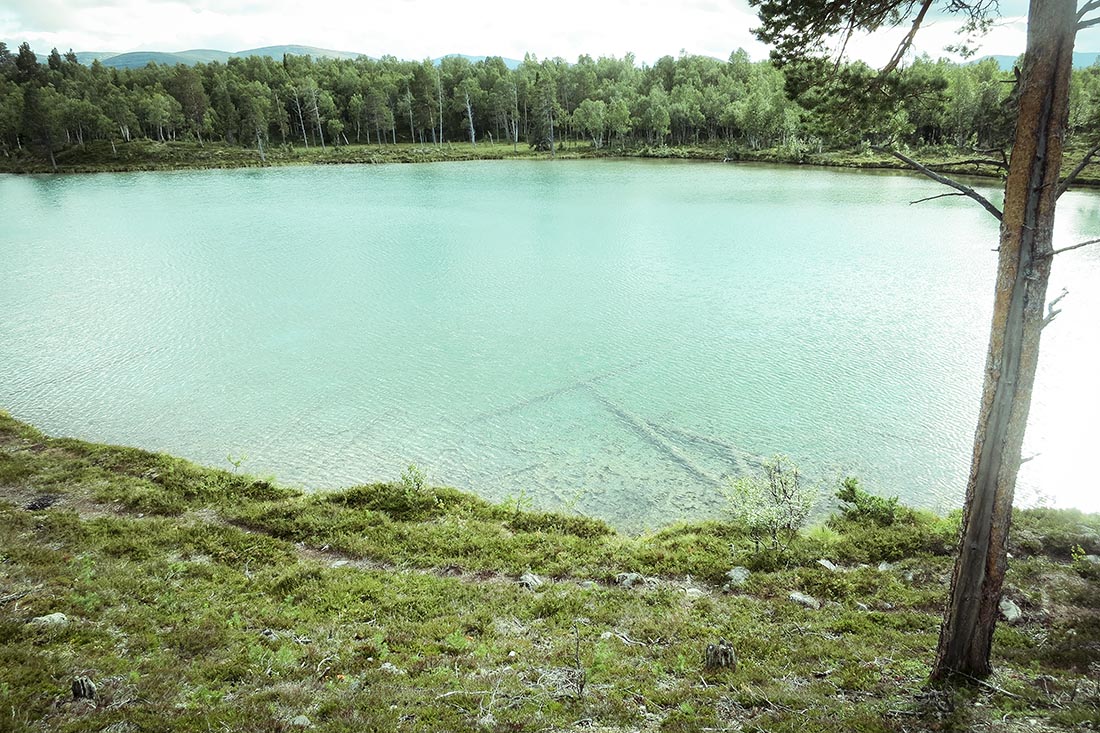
point(147, 155)
point(204, 600)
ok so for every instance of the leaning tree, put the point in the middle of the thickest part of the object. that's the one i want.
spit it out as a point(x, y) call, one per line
point(800, 32)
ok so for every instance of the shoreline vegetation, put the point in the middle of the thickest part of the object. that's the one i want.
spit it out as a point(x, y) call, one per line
point(143, 592)
point(64, 116)
point(148, 155)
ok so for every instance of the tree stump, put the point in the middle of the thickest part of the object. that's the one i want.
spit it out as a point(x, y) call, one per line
point(720, 656)
point(83, 689)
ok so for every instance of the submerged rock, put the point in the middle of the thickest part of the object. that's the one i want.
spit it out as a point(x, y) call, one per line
point(804, 600)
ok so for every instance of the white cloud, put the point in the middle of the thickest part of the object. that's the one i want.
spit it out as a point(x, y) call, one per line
point(421, 28)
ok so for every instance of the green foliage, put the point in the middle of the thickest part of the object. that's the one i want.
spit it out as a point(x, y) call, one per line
point(858, 505)
point(578, 526)
point(413, 479)
point(233, 615)
point(260, 111)
point(774, 506)
point(1057, 532)
point(920, 534)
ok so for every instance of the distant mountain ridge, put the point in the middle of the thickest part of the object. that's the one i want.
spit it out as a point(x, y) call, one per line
point(138, 59)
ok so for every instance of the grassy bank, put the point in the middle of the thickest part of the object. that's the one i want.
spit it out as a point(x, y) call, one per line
point(197, 599)
point(146, 155)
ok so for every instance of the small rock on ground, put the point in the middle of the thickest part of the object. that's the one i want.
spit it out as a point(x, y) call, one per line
point(530, 581)
point(50, 619)
point(1010, 611)
point(300, 721)
point(804, 600)
point(828, 564)
point(736, 577)
point(629, 580)
point(391, 668)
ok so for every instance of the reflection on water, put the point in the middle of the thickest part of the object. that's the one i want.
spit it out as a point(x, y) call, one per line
point(616, 337)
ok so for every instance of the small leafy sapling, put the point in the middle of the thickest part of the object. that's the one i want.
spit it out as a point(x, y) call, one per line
point(772, 506)
point(413, 479)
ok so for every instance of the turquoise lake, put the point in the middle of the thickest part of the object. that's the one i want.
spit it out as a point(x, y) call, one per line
point(612, 337)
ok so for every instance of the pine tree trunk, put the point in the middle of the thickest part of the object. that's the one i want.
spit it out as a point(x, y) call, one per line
point(1023, 270)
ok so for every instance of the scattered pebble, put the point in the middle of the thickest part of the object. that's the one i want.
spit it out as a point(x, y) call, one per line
point(391, 668)
point(804, 600)
point(629, 580)
point(737, 577)
point(1010, 611)
point(530, 581)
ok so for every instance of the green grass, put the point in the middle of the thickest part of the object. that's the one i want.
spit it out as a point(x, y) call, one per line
point(201, 599)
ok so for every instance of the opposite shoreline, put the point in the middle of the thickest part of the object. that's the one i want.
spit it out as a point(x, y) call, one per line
point(144, 155)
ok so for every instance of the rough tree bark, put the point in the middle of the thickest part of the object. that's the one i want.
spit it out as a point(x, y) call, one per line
point(1023, 269)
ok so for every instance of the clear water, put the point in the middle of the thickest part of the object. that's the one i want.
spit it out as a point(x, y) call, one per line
point(612, 337)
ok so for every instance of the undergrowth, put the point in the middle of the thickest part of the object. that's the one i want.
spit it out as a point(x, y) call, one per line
point(198, 599)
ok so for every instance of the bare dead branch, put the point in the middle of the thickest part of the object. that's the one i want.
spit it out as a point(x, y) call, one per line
point(14, 596)
point(1053, 312)
point(906, 42)
point(970, 161)
point(964, 189)
point(937, 196)
point(1087, 8)
point(844, 47)
point(1088, 23)
point(1079, 245)
point(1068, 180)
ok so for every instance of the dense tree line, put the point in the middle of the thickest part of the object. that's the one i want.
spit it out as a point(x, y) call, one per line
point(607, 102)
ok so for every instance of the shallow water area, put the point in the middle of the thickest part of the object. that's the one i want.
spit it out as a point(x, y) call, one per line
point(614, 337)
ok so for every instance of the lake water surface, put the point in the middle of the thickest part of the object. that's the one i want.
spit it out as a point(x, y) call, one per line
point(612, 337)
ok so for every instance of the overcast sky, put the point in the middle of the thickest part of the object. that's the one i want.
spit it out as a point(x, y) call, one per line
point(415, 29)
